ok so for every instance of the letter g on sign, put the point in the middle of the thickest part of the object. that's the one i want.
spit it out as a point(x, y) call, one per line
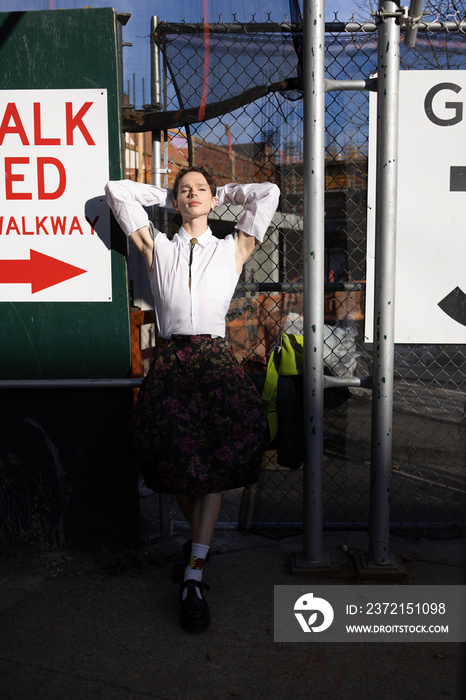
point(457, 106)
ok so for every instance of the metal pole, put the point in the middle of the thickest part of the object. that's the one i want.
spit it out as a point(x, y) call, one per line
point(414, 19)
point(314, 253)
point(384, 294)
point(19, 384)
point(170, 28)
point(156, 101)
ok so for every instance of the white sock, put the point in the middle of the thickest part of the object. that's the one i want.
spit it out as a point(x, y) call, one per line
point(194, 569)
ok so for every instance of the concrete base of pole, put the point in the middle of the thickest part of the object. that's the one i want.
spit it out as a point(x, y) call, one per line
point(332, 564)
point(393, 570)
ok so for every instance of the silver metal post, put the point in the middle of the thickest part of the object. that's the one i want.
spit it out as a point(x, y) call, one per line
point(314, 253)
point(414, 20)
point(156, 100)
point(384, 302)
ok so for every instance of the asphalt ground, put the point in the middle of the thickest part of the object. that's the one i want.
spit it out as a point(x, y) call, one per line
point(86, 625)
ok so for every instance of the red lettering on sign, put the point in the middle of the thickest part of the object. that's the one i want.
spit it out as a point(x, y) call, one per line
point(40, 225)
point(11, 177)
point(41, 163)
point(11, 113)
point(23, 226)
point(75, 225)
point(58, 224)
point(39, 140)
point(76, 121)
point(12, 226)
point(37, 226)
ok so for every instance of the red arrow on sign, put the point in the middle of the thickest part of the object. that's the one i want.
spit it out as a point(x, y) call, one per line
point(40, 271)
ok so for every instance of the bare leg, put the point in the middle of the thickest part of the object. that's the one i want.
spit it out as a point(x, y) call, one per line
point(185, 503)
point(202, 512)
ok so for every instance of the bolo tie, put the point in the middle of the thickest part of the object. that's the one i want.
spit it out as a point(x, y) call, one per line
point(193, 242)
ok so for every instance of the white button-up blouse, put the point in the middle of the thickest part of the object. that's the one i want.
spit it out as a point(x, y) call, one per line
point(199, 307)
point(192, 286)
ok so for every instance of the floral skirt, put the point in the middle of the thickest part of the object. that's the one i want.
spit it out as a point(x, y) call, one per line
point(199, 423)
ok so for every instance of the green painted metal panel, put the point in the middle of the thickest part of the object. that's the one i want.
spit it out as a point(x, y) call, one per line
point(66, 477)
point(64, 50)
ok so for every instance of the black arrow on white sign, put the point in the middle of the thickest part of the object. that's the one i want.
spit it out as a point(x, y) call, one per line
point(454, 304)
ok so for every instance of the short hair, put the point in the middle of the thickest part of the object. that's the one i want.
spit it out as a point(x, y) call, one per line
point(194, 169)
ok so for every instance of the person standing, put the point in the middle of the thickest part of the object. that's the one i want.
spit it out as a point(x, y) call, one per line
point(199, 426)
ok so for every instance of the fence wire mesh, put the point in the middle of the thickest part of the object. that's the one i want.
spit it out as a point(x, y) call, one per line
point(262, 140)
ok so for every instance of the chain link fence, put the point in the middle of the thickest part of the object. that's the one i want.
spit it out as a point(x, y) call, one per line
point(262, 140)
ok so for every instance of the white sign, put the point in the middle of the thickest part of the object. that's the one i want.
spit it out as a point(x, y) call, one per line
point(54, 222)
point(430, 301)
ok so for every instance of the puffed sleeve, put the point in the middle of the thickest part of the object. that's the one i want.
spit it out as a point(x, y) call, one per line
point(127, 200)
point(260, 201)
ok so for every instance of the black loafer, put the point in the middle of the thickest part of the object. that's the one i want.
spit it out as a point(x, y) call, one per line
point(194, 611)
point(182, 561)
